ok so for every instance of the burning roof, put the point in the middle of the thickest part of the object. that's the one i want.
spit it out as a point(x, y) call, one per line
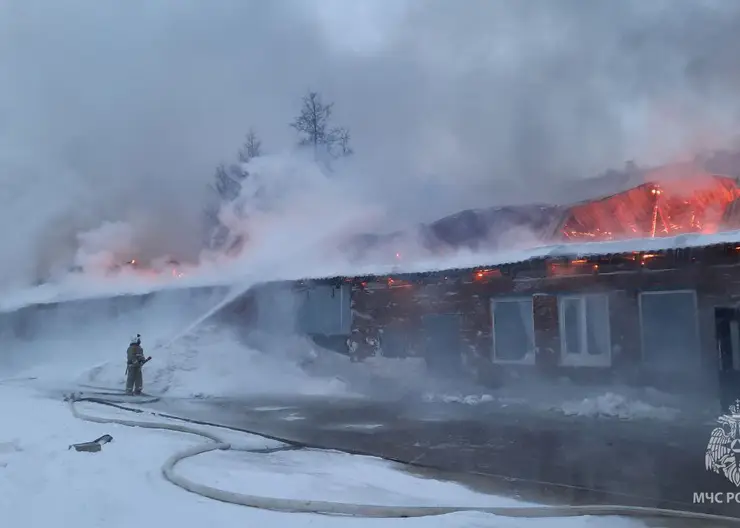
point(666, 201)
point(670, 201)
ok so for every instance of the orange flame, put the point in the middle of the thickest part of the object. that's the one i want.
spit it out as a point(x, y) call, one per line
point(677, 206)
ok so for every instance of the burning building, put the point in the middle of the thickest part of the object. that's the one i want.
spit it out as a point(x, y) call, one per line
point(639, 287)
point(667, 202)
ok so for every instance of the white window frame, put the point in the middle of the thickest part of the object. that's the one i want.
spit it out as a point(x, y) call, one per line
point(584, 359)
point(529, 357)
point(646, 359)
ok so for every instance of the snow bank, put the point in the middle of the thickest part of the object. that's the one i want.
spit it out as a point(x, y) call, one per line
point(213, 361)
point(614, 405)
point(42, 481)
point(613, 401)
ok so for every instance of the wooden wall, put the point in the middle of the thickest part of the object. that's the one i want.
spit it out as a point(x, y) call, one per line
point(397, 307)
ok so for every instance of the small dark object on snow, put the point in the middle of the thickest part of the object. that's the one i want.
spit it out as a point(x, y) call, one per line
point(94, 446)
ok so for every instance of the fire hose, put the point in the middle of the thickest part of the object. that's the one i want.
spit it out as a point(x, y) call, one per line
point(216, 443)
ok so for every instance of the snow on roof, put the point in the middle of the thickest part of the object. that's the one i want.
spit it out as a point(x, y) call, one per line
point(639, 244)
point(84, 287)
point(469, 260)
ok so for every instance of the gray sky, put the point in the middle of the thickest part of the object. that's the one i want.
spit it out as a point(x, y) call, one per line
point(110, 109)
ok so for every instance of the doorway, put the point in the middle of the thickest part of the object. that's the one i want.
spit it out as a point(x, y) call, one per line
point(669, 326)
point(443, 343)
point(727, 332)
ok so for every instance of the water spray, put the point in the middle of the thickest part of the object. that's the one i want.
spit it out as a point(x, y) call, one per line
point(234, 294)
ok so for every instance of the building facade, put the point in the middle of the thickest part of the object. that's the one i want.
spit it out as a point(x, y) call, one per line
point(667, 319)
point(661, 314)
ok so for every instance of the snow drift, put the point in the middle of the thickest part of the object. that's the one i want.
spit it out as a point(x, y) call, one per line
point(214, 361)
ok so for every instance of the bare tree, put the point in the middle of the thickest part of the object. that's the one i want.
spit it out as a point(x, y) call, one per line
point(252, 147)
point(313, 126)
point(342, 139)
point(226, 186)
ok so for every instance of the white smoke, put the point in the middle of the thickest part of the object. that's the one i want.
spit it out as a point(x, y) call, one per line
point(105, 247)
point(450, 107)
point(292, 209)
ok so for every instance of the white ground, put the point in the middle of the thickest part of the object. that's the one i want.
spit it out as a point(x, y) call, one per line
point(43, 483)
point(122, 485)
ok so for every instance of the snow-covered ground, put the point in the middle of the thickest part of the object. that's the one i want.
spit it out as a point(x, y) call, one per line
point(626, 403)
point(123, 486)
point(613, 405)
point(42, 482)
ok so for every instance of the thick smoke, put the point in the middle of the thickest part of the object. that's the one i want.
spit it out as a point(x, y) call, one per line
point(119, 112)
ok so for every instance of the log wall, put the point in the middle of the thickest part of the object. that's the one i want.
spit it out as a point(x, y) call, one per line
point(388, 312)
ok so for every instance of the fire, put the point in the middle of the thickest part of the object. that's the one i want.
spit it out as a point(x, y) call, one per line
point(676, 206)
point(485, 274)
point(397, 283)
point(150, 272)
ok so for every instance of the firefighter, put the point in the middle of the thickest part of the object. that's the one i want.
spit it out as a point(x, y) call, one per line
point(134, 362)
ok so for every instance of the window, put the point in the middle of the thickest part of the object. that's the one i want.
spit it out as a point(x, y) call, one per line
point(395, 341)
point(325, 310)
point(670, 330)
point(585, 339)
point(513, 331)
point(442, 342)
